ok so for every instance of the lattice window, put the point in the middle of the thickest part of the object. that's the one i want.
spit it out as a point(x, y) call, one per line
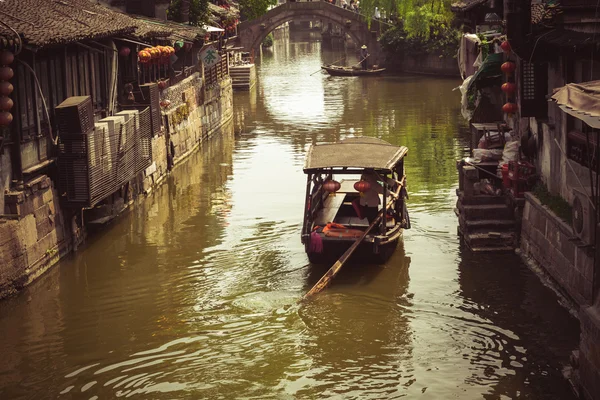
point(534, 87)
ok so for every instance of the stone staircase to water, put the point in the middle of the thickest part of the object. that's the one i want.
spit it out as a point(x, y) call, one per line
point(486, 223)
point(243, 77)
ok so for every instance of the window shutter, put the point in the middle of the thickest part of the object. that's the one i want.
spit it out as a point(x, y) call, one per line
point(534, 87)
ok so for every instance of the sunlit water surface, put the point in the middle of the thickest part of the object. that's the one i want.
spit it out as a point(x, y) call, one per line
point(193, 294)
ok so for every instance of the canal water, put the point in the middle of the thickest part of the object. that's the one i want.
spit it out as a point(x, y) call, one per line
point(193, 294)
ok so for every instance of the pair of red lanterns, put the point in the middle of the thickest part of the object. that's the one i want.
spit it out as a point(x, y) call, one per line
point(508, 68)
point(6, 88)
point(332, 186)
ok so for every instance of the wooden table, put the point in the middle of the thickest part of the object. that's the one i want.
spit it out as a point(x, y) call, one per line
point(477, 130)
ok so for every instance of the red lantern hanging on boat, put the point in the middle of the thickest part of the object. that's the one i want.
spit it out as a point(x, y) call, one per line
point(508, 67)
point(6, 57)
point(362, 186)
point(508, 88)
point(510, 108)
point(331, 186)
point(506, 46)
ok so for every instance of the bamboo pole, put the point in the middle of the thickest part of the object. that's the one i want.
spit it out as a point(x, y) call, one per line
point(332, 272)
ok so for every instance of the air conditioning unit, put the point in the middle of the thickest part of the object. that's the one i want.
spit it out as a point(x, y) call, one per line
point(584, 216)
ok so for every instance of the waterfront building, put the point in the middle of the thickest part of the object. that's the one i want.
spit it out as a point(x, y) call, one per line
point(549, 70)
point(98, 104)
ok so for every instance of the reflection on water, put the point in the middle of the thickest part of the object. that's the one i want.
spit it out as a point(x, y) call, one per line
point(193, 294)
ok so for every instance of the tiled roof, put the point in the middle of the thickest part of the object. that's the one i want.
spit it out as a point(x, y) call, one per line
point(48, 22)
point(466, 5)
point(552, 41)
point(147, 28)
point(177, 30)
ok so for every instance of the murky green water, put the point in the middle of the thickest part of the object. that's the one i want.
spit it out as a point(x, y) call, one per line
point(193, 294)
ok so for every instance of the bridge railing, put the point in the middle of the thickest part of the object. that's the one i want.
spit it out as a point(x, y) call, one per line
point(317, 5)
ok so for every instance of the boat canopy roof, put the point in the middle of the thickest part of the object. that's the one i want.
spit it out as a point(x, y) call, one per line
point(357, 152)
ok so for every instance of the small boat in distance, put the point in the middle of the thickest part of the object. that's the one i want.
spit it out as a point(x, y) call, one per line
point(336, 70)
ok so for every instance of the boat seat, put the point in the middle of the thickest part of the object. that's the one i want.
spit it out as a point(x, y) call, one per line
point(355, 222)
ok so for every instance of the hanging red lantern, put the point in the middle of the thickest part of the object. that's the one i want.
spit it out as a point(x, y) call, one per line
point(6, 73)
point(6, 58)
point(508, 88)
point(510, 108)
point(5, 118)
point(506, 46)
point(6, 103)
point(124, 51)
point(331, 186)
point(362, 186)
point(6, 88)
point(508, 67)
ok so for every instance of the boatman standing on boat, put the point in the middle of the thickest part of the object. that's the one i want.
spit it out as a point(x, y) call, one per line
point(370, 200)
point(363, 56)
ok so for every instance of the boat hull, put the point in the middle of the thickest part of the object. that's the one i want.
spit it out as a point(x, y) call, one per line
point(345, 71)
point(366, 252)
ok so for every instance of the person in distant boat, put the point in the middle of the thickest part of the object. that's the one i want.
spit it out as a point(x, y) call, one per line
point(364, 54)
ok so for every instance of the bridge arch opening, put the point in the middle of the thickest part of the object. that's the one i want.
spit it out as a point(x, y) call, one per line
point(271, 27)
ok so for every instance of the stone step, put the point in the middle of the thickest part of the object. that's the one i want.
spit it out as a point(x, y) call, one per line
point(490, 239)
point(491, 224)
point(482, 199)
point(485, 211)
point(502, 249)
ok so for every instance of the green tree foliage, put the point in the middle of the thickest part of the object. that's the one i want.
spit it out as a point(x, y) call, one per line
point(198, 11)
point(419, 18)
point(443, 41)
point(423, 27)
point(426, 17)
point(268, 41)
point(251, 9)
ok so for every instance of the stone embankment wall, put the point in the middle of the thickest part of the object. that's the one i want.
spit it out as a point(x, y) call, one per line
point(35, 231)
point(549, 241)
point(33, 236)
point(431, 64)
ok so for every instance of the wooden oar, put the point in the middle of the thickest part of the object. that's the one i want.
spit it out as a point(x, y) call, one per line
point(332, 272)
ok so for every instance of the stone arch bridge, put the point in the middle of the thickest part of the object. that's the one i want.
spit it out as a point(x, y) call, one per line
point(251, 33)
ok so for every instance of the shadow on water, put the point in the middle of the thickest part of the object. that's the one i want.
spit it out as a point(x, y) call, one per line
point(357, 321)
point(519, 348)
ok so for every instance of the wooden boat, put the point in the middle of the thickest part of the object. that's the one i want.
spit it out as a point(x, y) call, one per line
point(332, 220)
point(336, 70)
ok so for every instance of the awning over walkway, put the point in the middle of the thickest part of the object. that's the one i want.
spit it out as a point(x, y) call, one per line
point(209, 28)
point(581, 100)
